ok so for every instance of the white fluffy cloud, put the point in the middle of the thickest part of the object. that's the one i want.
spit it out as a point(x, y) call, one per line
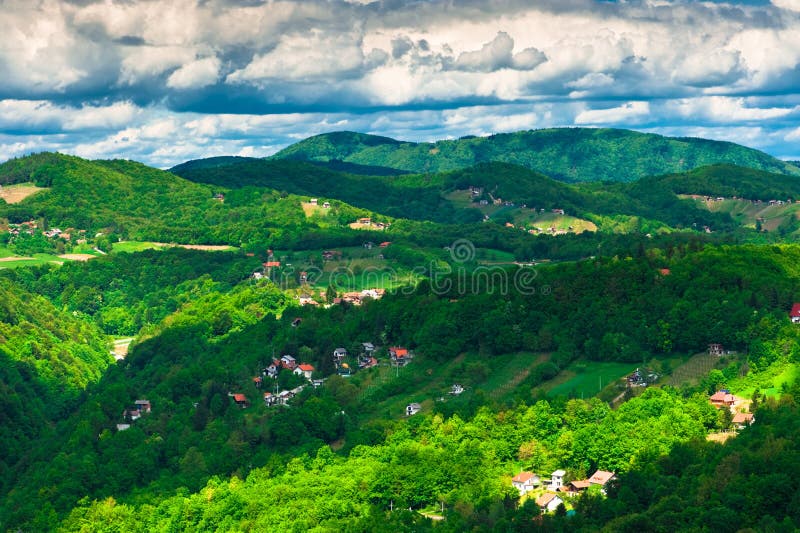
point(102, 77)
point(196, 74)
point(629, 113)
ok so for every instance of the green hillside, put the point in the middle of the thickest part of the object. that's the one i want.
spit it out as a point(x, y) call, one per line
point(566, 154)
point(728, 181)
point(47, 358)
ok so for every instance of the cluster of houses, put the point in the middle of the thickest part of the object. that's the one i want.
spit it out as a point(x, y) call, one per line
point(641, 378)
point(367, 222)
point(358, 297)
point(556, 487)
point(723, 399)
point(29, 227)
point(134, 413)
point(711, 199)
point(315, 201)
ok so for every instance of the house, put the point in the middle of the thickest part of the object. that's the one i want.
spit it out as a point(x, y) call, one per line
point(313, 201)
point(317, 383)
point(742, 420)
point(413, 408)
point(123, 427)
point(558, 211)
point(548, 502)
point(269, 399)
point(344, 370)
point(365, 361)
point(399, 356)
point(456, 389)
point(368, 348)
point(272, 370)
point(557, 479)
point(283, 397)
point(257, 381)
point(240, 400)
point(305, 370)
point(722, 398)
point(375, 294)
point(794, 314)
point(329, 255)
point(326, 205)
point(715, 349)
point(132, 414)
point(303, 277)
point(339, 354)
point(384, 244)
point(272, 264)
point(525, 482)
point(288, 362)
point(143, 405)
point(601, 477)
point(365, 221)
point(574, 487)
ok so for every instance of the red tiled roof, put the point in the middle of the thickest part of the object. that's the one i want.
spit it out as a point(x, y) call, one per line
point(580, 483)
point(270, 264)
point(398, 351)
point(795, 312)
point(544, 499)
point(239, 398)
point(740, 418)
point(665, 271)
point(722, 397)
point(305, 367)
point(522, 477)
point(601, 477)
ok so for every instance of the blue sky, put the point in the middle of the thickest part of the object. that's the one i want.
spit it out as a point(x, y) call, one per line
point(165, 81)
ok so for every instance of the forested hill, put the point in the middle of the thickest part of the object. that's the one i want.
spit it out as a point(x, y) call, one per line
point(134, 201)
point(566, 154)
point(47, 358)
point(729, 181)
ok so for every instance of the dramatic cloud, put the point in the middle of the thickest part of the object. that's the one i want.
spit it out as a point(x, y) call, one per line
point(162, 81)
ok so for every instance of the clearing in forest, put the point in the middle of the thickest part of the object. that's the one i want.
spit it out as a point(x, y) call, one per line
point(14, 194)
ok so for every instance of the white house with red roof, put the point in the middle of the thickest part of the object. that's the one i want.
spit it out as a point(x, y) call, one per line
point(305, 370)
point(794, 314)
point(742, 420)
point(548, 502)
point(400, 356)
point(525, 482)
point(601, 477)
point(722, 398)
point(240, 400)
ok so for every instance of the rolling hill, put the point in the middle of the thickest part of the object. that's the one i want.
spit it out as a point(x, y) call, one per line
point(566, 154)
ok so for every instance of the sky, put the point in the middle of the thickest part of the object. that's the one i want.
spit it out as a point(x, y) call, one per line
point(165, 81)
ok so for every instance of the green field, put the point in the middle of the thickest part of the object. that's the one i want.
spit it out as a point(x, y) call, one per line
point(769, 382)
point(38, 259)
point(132, 246)
point(585, 379)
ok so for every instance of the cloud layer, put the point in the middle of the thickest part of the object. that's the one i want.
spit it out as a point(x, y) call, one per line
point(164, 81)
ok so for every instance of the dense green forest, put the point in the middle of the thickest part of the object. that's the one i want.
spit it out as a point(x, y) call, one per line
point(48, 357)
point(566, 154)
point(611, 309)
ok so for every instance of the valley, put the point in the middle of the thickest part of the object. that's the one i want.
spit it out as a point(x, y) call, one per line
point(363, 334)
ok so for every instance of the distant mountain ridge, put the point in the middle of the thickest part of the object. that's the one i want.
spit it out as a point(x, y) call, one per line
point(565, 154)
